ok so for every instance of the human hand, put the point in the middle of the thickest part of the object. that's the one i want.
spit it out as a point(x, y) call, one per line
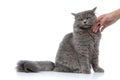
point(104, 21)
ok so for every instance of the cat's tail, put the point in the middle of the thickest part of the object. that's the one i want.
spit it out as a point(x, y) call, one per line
point(34, 66)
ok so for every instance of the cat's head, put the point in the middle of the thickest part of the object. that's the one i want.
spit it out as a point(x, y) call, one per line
point(85, 19)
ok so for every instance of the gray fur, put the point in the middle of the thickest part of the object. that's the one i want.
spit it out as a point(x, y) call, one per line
point(34, 66)
point(77, 52)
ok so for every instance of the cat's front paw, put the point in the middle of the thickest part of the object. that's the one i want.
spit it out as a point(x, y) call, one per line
point(61, 69)
point(85, 68)
point(86, 71)
point(98, 69)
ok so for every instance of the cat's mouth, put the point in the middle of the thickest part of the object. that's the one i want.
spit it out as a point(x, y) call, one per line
point(85, 27)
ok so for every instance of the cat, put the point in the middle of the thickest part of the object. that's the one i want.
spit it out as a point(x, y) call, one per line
point(77, 52)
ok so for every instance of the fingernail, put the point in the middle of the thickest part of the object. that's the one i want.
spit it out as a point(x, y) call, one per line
point(99, 25)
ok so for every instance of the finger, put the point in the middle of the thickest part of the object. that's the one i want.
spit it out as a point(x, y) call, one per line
point(95, 28)
point(98, 27)
point(103, 27)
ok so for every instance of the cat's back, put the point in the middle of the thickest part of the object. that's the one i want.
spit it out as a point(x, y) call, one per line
point(67, 38)
point(66, 43)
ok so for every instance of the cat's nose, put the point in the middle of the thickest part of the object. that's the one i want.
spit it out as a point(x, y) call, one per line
point(84, 21)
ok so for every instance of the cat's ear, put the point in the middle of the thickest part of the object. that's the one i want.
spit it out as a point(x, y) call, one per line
point(94, 9)
point(73, 14)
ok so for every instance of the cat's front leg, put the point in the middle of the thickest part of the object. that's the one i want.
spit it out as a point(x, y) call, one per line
point(83, 59)
point(84, 64)
point(95, 65)
point(95, 60)
point(82, 53)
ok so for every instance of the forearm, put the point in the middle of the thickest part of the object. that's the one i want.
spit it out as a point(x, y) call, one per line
point(116, 13)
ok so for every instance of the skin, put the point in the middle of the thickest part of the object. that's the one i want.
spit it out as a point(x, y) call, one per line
point(106, 20)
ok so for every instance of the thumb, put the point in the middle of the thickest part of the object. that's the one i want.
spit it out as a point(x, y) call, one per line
point(103, 27)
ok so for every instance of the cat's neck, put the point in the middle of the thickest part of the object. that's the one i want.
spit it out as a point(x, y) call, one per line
point(82, 30)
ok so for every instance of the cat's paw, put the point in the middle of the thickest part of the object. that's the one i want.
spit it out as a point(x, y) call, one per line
point(76, 71)
point(62, 69)
point(86, 71)
point(98, 69)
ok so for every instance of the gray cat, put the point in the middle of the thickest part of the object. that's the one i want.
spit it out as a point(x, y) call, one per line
point(77, 52)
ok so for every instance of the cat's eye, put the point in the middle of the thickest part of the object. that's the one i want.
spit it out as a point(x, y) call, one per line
point(80, 19)
point(88, 17)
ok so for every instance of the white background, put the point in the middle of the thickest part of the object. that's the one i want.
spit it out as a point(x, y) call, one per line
point(33, 29)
